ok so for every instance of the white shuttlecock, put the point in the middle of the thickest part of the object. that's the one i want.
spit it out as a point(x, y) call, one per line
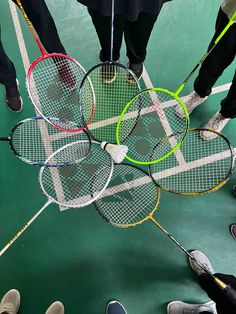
point(117, 152)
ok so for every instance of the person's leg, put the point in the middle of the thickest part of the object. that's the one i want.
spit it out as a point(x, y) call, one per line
point(137, 34)
point(10, 302)
point(102, 25)
point(8, 79)
point(212, 68)
point(214, 292)
point(7, 68)
point(219, 59)
point(222, 117)
point(40, 16)
point(208, 284)
point(228, 104)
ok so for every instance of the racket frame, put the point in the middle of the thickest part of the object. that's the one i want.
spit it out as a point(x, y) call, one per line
point(227, 177)
point(157, 89)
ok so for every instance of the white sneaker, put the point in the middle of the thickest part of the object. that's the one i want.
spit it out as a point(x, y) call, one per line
point(217, 123)
point(56, 308)
point(191, 102)
point(203, 260)
point(178, 307)
point(10, 302)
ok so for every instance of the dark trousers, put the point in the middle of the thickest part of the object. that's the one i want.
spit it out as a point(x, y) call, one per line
point(214, 65)
point(44, 25)
point(136, 34)
point(223, 306)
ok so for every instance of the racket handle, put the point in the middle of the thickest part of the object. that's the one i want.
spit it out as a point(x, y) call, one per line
point(5, 139)
point(23, 229)
point(230, 294)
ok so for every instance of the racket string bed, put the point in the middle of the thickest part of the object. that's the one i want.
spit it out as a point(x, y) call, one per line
point(52, 86)
point(145, 120)
point(205, 166)
point(109, 97)
point(34, 140)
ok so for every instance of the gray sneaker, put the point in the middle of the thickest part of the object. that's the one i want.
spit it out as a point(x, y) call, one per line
point(191, 102)
point(217, 123)
point(178, 307)
point(203, 260)
point(10, 302)
point(56, 308)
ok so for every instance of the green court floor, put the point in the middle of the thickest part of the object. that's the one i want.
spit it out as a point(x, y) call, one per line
point(76, 257)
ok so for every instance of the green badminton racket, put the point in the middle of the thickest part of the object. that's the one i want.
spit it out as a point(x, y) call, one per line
point(151, 115)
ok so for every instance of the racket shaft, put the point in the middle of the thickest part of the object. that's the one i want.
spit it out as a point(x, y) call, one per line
point(5, 139)
point(179, 245)
point(6, 247)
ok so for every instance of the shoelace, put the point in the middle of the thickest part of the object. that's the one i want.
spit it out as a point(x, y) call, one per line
point(6, 309)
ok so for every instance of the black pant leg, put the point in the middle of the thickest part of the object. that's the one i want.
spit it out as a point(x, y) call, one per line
point(228, 105)
point(102, 25)
point(40, 16)
point(223, 306)
point(219, 59)
point(7, 68)
point(137, 34)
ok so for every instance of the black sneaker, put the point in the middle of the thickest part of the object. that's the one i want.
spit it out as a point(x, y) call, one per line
point(13, 98)
point(108, 73)
point(137, 69)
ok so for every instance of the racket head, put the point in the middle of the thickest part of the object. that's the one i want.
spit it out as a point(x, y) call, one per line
point(111, 93)
point(34, 140)
point(198, 167)
point(71, 186)
point(145, 119)
point(52, 83)
point(130, 198)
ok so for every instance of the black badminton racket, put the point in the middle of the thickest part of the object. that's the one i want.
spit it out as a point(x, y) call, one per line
point(33, 140)
point(112, 89)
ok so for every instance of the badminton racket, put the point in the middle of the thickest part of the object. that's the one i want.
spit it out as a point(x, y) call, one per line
point(198, 167)
point(33, 140)
point(112, 89)
point(52, 83)
point(71, 186)
point(151, 115)
point(132, 198)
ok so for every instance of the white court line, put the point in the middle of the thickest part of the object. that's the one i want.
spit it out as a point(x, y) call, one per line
point(164, 174)
point(178, 154)
point(26, 63)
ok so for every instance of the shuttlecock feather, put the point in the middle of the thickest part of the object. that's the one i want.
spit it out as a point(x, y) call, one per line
point(117, 152)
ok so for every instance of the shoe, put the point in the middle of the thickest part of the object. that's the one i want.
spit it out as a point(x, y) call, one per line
point(56, 308)
point(115, 307)
point(217, 123)
point(191, 102)
point(108, 73)
point(10, 302)
point(203, 260)
point(233, 230)
point(178, 307)
point(13, 98)
point(137, 70)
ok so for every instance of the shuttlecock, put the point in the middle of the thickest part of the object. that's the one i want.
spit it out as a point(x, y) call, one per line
point(117, 152)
